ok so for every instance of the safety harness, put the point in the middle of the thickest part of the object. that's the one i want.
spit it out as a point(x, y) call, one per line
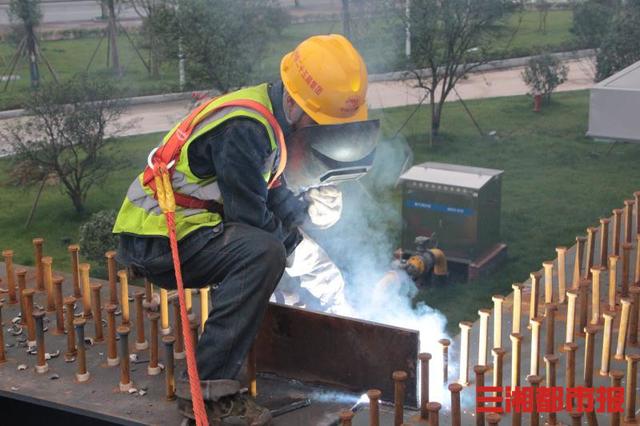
point(157, 176)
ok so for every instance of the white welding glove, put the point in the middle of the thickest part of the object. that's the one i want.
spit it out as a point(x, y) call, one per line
point(325, 205)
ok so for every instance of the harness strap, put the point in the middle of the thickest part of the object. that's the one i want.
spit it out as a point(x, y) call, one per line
point(170, 151)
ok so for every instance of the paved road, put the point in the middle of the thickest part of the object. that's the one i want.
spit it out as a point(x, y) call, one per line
point(157, 117)
point(78, 11)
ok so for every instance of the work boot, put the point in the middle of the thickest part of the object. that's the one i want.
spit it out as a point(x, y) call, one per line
point(224, 403)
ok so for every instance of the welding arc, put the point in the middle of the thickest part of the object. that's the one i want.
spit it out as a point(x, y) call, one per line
point(166, 201)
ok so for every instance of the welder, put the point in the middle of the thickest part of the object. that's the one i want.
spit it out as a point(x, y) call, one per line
point(238, 221)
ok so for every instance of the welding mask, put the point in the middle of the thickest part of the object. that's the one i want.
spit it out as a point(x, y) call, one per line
point(330, 154)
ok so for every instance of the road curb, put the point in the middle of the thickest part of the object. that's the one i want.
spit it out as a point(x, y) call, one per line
point(392, 76)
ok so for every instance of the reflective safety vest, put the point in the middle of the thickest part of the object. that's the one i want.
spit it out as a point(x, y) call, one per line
point(140, 213)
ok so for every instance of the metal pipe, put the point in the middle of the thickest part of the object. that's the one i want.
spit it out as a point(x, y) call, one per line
point(533, 303)
point(47, 267)
point(86, 289)
point(550, 320)
point(604, 241)
point(22, 285)
point(624, 281)
point(589, 355)
point(576, 418)
point(456, 415)
point(623, 327)
point(112, 269)
point(37, 245)
point(548, 281)
point(41, 366)
point(591, 247)
point(617, 220)
point(517, 308)
point(444, 343)
point(634, 293)
point(194, 325)
point(628, 218)
point(252, 373)
point(204, 307)
point(346, 417)
point(516, 342)
point(583, 301)
point(493, 418)
point(188, 300)
point(551, 361)
point(74, 250)
point(125, 372)
point(178, 347)
point(498, 300)
point(536, 323)
point(153, 368)
point(148, 292)
point(374, 407)
point(3, 357)
point(616, 382)
point(613, 274)
point(562, 272)
point(636, 276)
point(424, 384)
point(577, 263)
point(572, 295)
point(534, 381)
point(483, 339)
point(82, 375)
point(97, 311)
point(630, 390)
point(10, 275)
point(112, 351)
point(596, 272)
point(465, 331)
point(498, 367)
point(27, 294)
point(69, 303)
point(57, 285)
point(170, 380)
point(141, 340)
point(479, 370)
point(124, 296)
point(165, 329)
point(434, 413)
point(399, 378)
point(605, 360)
point(570, 350)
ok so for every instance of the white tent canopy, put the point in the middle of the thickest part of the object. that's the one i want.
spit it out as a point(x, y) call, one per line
point(614, 106)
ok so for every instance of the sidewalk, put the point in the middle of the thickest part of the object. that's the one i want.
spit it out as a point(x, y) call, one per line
point(161, 116)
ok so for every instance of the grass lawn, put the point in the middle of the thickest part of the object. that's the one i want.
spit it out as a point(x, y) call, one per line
point(380, 51)
point(556, 183)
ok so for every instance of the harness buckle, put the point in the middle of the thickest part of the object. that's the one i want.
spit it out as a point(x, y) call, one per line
point(150, 159)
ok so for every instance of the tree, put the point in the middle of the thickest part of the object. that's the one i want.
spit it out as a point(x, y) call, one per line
point(591, 21)
point(223, 41)
point(543, 74)
point(621, 44)
point(65, 136)
point(543, 7)
point(28, 14)
point(449, 39)
point(159, 28)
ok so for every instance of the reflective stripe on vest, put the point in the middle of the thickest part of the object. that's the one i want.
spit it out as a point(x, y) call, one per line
point(140, 214)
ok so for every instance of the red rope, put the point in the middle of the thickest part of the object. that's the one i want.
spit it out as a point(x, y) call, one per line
point(194, 379)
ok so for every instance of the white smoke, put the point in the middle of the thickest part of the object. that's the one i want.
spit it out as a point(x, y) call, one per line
point(362, 245)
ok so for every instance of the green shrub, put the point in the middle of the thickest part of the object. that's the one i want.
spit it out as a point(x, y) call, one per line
point(543, 74)
point(96, 237)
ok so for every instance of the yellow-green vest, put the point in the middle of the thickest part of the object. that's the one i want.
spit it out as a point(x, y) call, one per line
point(140, 213)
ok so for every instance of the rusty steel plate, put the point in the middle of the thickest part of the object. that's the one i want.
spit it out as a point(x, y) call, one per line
point(325, 349)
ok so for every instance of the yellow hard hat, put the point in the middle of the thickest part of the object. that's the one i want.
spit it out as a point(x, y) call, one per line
point(327, 77)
